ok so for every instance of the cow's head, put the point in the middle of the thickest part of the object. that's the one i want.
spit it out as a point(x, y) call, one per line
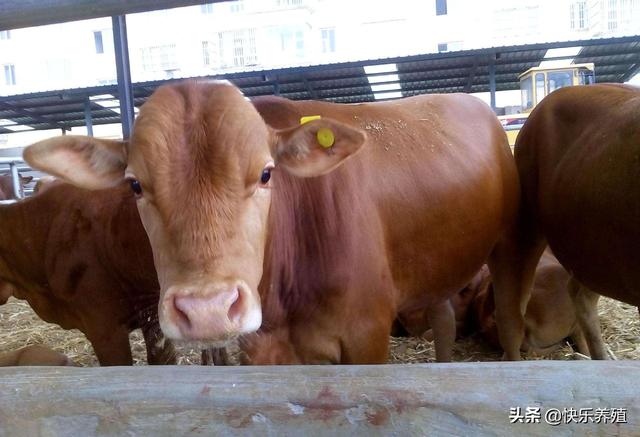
point(200, 160)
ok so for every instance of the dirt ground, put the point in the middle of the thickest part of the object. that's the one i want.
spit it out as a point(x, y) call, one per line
point(19, 326)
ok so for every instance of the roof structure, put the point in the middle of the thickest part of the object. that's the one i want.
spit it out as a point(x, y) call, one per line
point(615, 59)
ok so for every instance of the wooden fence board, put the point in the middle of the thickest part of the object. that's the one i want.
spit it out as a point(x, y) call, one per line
point(433, 399)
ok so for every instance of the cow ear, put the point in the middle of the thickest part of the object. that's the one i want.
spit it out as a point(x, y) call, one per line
point(87, 162)
point(316, 147)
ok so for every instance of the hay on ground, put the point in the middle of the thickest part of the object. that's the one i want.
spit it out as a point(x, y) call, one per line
point(20, 326)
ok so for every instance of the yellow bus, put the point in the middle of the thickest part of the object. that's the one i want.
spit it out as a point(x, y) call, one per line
point(536, 83)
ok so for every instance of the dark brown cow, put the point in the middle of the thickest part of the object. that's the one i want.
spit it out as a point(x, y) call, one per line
point(552, 315)
point(254, 221)
point(82, 260)
point(578, 155)
point(35, 355)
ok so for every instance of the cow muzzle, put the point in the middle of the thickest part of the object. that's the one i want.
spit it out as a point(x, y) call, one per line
point(209, 314)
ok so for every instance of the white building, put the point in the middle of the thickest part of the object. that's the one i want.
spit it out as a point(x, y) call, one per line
point(264, 34)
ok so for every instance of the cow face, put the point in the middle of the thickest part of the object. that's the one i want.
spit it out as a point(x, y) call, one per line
point(199, 162)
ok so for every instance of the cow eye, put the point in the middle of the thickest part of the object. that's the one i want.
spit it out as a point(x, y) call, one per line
point(135, 187)
point(266, 176)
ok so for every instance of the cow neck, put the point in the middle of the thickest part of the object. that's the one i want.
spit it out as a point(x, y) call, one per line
point(314, 235)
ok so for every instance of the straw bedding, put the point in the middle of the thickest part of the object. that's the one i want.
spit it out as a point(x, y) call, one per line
point(19, 326)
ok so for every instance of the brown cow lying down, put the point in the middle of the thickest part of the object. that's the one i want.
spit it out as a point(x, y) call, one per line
point(82, 260)
point(34, 356)
point(577, 155)
point(315, 234)
point(551, 314)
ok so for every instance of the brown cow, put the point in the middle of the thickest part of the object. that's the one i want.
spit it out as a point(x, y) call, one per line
point(6, 186)
point(253, 220)
point(82, 260)
point(7, 193)
point(578, 155)
point(35, 355)
point(552, 312)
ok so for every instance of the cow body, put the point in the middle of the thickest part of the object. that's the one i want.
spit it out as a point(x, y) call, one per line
point(34, 355)
point(330, 249)
point(82, 260)
point(578, 159)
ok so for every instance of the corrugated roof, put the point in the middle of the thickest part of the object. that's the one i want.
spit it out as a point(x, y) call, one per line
point(615, 59)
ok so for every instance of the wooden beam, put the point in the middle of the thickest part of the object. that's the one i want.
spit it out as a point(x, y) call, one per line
point(15, 14)
point(443, 399)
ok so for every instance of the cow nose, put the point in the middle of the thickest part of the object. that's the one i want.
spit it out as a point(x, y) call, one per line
point(211, 316)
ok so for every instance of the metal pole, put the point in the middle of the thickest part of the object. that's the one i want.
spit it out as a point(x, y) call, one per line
point(123, 69)
point(15, 178)
point(492, 82)
point(88, 121)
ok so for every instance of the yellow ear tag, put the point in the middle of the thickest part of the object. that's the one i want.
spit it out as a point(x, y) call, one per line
point(308, 118)
point(325, 137)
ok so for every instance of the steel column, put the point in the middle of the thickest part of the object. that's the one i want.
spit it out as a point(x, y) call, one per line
point(125, 90)
point(15, 178)
point(88, 120)
point(492, 82)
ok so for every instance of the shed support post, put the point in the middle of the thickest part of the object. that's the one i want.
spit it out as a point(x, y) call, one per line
point(492, 82)
point(15, 178)
point(123, 69)
point(88, 121)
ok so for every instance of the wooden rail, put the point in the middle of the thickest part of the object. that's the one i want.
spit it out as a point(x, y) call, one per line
point(430, 399)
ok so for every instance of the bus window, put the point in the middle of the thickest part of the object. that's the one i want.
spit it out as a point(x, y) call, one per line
point(526, 90)
point(540, 88)
point(587, 77)
point(559, 79)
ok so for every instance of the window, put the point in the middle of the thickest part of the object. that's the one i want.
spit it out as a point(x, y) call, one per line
point(97, 39)
point(328, 40)
point(540, 88)
point(159, 58)
point(238, 48)
point(559, 79)
point(10, 74)
point(208, 52)
point(526, 90)
point(612, 15)
point(236, 6)
point(578, 12)
point(442, 47)
point(5, 34)
point(441, 7)
point(292, 41)
point(207, 8)
point(285, 3)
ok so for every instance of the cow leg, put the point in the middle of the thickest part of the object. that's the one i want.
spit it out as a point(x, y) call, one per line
point(586, 306)
point(215, 356)
point(513, 265)
point(579, 342)
point(443, 324)
point(111, 347)
point(159, 350)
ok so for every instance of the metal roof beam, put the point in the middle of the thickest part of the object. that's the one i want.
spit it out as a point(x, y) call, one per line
point(22, 113)
point(16, 14)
